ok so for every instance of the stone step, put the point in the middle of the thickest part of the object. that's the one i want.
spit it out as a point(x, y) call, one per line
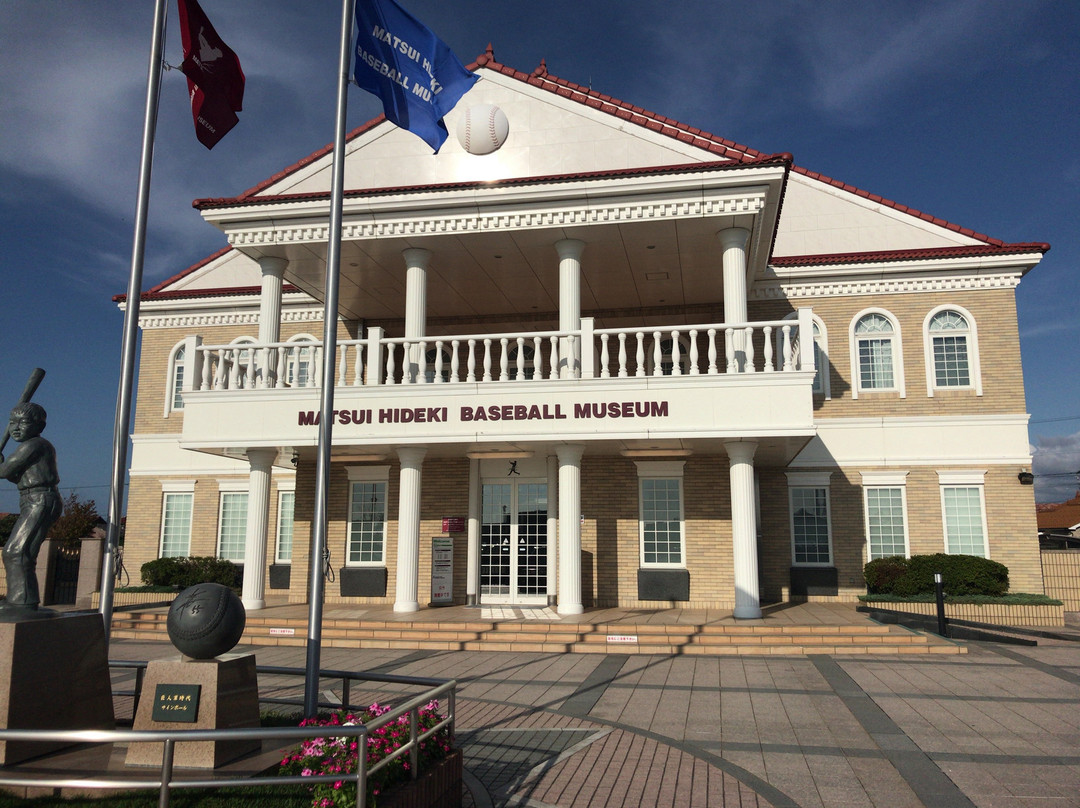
point(558, 637)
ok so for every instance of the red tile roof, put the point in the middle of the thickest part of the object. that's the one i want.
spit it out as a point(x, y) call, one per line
point(726, 150)
point(962, 251)
point(1059, 515)
point(684, 168)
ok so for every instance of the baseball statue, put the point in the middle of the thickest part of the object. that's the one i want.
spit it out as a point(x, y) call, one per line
point(32, 467)
point(206, 620)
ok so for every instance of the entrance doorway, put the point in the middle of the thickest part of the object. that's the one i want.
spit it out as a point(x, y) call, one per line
point(514, 542)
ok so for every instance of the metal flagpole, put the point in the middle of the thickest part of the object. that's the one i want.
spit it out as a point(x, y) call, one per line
point(122, 424)
point(326, 420)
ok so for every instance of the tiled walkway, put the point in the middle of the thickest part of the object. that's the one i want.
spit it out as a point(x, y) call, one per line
point(996, 728)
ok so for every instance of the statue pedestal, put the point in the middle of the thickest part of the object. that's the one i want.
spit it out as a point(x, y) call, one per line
point(54, 674)
point(227, 697)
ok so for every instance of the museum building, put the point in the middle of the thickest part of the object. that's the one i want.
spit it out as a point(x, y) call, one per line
point(586, 356)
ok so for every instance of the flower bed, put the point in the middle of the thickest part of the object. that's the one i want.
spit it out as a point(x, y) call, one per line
point(341, 754)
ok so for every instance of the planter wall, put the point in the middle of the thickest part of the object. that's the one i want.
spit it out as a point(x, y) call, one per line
point(999, 614)
point(1061, 577)
point(135, 598)
point(438, 787)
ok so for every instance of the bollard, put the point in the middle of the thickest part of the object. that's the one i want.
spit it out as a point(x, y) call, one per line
point(939, 594)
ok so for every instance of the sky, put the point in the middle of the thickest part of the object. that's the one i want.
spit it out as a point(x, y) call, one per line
point(964, 109)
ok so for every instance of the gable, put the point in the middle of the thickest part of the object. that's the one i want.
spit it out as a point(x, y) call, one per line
point(549, 134)
point(821, 219)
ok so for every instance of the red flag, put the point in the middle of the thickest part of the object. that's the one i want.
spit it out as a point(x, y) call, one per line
point(215, 80)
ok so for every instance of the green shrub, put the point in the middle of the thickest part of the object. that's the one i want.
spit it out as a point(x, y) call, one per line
point(881, 574)
point(961, 575)
point(182, 572)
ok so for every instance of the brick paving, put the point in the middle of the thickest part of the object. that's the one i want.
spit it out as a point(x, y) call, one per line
point(998, 727)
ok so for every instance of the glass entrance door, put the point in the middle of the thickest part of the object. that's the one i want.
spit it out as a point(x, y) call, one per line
point(513, 543)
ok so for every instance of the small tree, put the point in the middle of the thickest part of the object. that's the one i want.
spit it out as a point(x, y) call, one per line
point(77, 520)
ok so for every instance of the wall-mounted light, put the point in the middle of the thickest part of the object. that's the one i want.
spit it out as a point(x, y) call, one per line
point(656, 453)
point(508, 455)
point(1026, 478)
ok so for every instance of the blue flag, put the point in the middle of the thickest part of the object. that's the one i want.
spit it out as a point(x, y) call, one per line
point(414, 72)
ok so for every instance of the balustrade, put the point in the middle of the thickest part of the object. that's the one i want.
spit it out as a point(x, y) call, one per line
point(713, 349)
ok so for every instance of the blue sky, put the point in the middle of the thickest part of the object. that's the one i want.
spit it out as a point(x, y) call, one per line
point(964, 109)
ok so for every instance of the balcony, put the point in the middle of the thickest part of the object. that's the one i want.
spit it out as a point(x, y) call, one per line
point(680, 382)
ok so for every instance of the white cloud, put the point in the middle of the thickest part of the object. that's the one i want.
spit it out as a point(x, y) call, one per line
point(1056, 461)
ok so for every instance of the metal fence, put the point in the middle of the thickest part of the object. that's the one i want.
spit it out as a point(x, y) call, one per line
point(167, 780)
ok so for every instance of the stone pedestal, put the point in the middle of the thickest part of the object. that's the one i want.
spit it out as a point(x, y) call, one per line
point(228, 699)
point(54, 674)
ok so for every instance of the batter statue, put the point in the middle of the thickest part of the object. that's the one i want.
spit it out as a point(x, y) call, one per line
point(32, 467)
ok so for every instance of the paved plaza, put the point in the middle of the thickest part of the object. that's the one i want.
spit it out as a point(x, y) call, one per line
point(998, 727)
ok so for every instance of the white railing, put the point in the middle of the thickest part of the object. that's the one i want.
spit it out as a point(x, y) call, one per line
point(711, 349)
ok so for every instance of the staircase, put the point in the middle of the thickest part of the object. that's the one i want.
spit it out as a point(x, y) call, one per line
point(560, 637)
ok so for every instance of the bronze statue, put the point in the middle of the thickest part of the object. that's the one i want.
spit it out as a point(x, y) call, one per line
point(32, 467)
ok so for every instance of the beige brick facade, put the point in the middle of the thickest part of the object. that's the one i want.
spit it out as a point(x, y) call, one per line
point(610, 518)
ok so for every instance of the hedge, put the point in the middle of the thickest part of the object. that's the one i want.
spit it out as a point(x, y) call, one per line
point(182, 572)
point(961, 575)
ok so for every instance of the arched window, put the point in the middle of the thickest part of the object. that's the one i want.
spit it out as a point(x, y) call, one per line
point(951, 350)
point(822, 385)
point(876, 353)
point(528, 366)
point(174, 383)
point(300, 362)
point(242, 362)
point(430, 358)
point(668, 356)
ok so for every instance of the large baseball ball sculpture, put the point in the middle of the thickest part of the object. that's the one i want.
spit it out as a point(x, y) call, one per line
point(482, 129)
point(206, 620)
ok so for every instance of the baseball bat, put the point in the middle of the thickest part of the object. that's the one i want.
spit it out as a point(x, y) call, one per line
point(36, 375)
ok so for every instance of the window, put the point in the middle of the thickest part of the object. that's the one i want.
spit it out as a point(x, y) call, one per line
point(528, 365)
point(431, 358)
point(232, 525)
point(300, 362)
point(951, 350)
point(661, 514)
point(811, 532)
point(886, 514)
point(963, 512)
point(822, 384)
point(285, 513)
point(174, 393)
point(672, 350)
point(366, 544)
point(176, 512)
point(876, 353)
point(241, 362)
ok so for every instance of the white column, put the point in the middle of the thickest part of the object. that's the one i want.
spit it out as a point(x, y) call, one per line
point(408, 553)
point(570, 529)
point(273, 271)
point(552, 530)
point(744, 527)
point(260, 462)
point(570, 251)
point(416, 264)
point(472, 562)
point(733, 240)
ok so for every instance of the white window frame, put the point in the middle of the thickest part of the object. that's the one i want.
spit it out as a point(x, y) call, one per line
point(293, 361)
point(661, 470)
point(284, 488)
point(228, 489)
point(887, 480)
point(177, 359)
point(897, 345)
point(367, 474)
point(972, 338)
point(176, 488)
point(821, 354)
point(975, 478)
point(817, 480)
